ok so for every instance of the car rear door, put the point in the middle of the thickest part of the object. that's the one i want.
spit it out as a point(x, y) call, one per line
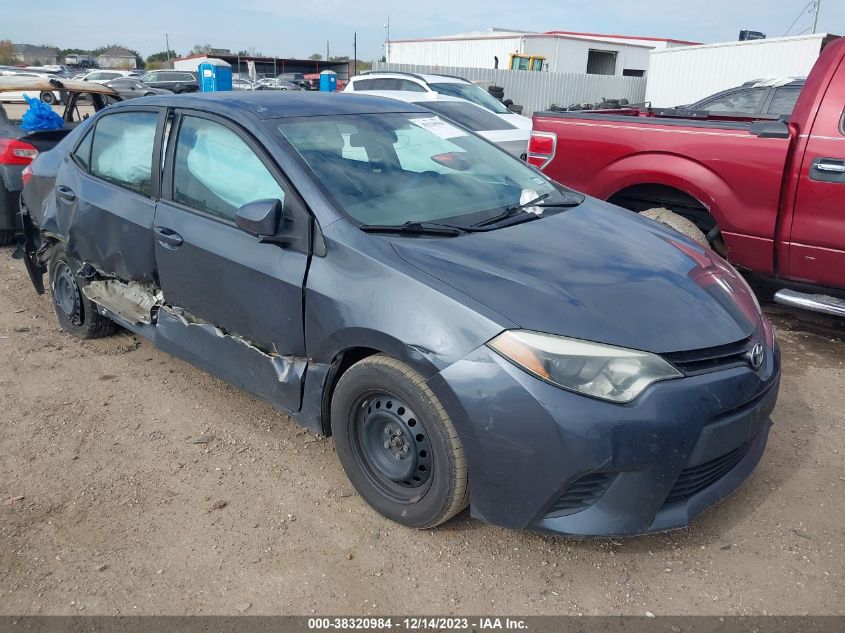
point(105, 193)
point(817, 236)
point(233, 304)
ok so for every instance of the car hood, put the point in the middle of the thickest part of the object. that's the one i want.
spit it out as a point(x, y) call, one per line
point(598, 273)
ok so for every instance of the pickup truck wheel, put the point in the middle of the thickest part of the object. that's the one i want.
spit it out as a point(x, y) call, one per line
point(677, 222)
point(76, 313)
point(397, 444)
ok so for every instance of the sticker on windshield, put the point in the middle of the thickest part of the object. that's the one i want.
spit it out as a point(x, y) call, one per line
point(439, 127)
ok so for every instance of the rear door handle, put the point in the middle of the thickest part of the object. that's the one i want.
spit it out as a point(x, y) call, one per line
point(167, 237)
point(66, 193)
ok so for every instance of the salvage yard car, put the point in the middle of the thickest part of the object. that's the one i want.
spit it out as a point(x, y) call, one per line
point(18, 147)
point(468, 330)
point(767, 191)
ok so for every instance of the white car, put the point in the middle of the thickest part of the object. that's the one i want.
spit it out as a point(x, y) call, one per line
point(102, 76)
point(48, 97)
point(441, 84)
point(498, 130)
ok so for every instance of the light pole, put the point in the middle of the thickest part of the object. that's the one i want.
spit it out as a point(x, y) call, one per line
point(816, 16)
point(387, 41)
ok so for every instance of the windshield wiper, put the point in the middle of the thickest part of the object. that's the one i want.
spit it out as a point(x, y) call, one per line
point(509, 212)
point(412, 227)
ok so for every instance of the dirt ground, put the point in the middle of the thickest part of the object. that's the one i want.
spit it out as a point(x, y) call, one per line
point(133, 483)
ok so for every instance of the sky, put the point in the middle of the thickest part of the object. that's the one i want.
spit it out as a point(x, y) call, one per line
point(298, 29)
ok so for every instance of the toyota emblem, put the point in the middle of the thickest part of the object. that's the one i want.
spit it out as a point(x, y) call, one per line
point(756, 356)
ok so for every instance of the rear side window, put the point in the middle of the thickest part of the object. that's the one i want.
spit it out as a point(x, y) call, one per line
point(745, 101)
point(784, 100)
point(411, 86)
point(363, 84)
point(122, 150)
point(387, 84)
point(216, 172)
point(83, 151)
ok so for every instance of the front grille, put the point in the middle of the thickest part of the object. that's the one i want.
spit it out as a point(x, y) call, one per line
point(696, 478)
point(581, 494)
point(700, 361)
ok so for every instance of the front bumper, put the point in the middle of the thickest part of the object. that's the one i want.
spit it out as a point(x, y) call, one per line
point(547, 459)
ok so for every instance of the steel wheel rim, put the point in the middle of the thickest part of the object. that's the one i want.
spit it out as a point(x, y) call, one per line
point(66, 293)
point(391, 446)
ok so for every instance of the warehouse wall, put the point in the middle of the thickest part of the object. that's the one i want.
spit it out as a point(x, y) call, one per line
point(536, 91)
point(477, 53)
point(567, 55)
point(684, 75)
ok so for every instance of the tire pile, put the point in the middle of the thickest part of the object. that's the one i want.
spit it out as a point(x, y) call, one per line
point(498, 92)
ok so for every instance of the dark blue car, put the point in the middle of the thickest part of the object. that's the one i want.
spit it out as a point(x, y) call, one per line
point(470, 332)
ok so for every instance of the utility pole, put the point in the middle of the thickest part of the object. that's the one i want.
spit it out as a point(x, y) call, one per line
point(387, 41)
point(816, 15)
point(167, 48)
point(355, 53)
point(327, 50)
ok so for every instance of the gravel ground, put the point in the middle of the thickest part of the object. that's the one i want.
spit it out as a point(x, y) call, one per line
point(133, 483)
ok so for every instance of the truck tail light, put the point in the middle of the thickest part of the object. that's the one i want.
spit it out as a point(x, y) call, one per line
point(541, 148)
point(26, 174)
point(14, 152)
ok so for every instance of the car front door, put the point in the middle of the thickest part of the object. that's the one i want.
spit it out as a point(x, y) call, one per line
point(105, 192)
point(233, 305)
point(817, 236)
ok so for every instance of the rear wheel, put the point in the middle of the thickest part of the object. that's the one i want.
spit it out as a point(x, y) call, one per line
point(48, 97)
point(397, 444)
point(76, 313)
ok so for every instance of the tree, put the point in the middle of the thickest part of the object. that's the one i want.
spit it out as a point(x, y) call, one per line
point(315, 56)
point(201, 49)
point(339, 58)
point(6, 52)
point(162, 56)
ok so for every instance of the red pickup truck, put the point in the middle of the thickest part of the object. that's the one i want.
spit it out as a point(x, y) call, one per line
point(767, 194)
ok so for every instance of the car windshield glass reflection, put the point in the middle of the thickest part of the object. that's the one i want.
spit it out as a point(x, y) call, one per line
point(389, 169)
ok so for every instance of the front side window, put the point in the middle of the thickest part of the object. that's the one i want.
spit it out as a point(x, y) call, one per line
point(122, 150)
point(216, 172)
point(473, 93)
point(411, 86)
point(410, 167)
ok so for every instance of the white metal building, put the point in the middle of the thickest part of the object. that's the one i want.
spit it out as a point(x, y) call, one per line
point(565, 51)
point(683, 75)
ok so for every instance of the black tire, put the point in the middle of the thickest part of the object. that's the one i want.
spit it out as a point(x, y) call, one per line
point(76, 314)
point(7, 237)
point(48, 97)
point(376, 403)
point(149, 94)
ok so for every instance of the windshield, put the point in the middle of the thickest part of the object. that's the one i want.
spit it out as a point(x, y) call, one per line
point(468, 114)
point(389, 169)
point(473, 93)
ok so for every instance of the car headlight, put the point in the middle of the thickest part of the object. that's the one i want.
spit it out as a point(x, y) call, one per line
point(602, 371)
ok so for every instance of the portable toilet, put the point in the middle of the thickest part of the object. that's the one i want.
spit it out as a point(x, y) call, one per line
point(214, 75)
point(328, 81)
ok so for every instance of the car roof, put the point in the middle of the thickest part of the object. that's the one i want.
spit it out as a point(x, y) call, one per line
point(412, 96)
point(426, 77)
point(278, 104)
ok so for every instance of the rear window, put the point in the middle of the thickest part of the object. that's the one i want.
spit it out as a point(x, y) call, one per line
point(469, 115)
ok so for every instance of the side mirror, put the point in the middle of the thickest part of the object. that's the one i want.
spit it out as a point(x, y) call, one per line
point(260, 218)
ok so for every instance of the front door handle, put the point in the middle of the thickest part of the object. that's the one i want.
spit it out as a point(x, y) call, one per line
point(66, 193)
point(167, 237)
point(829, 165)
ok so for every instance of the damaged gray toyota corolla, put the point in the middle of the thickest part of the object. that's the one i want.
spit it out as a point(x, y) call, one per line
point(455, 319)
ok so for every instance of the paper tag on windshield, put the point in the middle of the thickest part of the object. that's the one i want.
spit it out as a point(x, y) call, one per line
point(439, 127)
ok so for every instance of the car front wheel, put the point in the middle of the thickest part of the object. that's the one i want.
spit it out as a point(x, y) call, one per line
point(397, 444)
point(48, 97)
point(76, 313)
